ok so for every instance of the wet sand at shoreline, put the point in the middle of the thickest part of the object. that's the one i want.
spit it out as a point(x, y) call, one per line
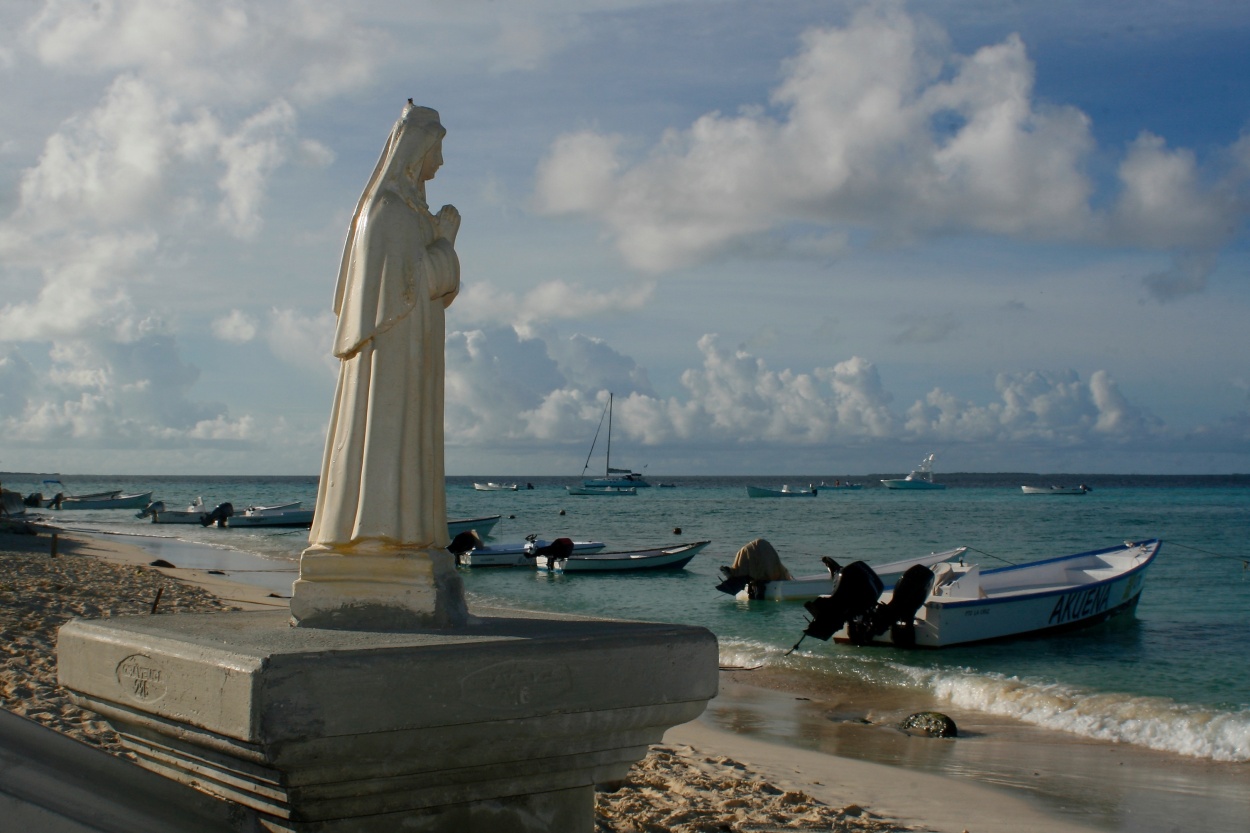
point(1077, 780)
point(772, 748)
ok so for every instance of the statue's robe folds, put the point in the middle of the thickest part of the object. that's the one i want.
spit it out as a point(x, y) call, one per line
point(382, 478)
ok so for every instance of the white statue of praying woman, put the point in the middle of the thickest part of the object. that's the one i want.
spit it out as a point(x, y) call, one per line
point(376, 554)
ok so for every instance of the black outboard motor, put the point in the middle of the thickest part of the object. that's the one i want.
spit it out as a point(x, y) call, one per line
point(899, 614)
point(856, 589)
point(559, 548)
point(34, 499)
point(218, 515)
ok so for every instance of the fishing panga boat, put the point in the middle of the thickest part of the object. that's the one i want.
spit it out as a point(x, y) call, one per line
point(491, 486)
point(114, 499)
point(560, 560)
point(290, 515)
point(156, 510)
point(961, 604)
point(513, 555)
point(784, 491)
point(482, 526)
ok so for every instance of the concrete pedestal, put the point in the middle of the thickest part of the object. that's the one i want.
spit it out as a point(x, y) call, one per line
point(504, 724)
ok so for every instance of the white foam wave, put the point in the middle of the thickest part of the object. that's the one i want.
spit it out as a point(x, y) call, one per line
point(745, 653)
point(1153, 722)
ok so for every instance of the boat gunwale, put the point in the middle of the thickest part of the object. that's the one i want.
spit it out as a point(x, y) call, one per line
point(1027, 595)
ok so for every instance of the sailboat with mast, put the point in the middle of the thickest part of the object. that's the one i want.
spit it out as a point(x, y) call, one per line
point(614, 481)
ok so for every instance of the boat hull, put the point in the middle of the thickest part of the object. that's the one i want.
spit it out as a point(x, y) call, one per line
point(293, 518)
point(912, 485)
point(1020, 601)
point(179, 516)
point(760, 491)
point(666, 558)
point(132, 501)
point(615, 482)
point(495, 487)
point(482, 526)
point(600, 491)
point(514, 555)
point(1054, 490)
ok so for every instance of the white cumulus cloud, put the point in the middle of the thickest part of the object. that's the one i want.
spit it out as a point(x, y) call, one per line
point(881, 126)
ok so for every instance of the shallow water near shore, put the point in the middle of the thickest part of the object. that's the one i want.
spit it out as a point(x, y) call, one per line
point(1173, 679)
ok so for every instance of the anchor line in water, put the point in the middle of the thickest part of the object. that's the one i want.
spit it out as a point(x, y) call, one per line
point(992, 555)
point(1245, 563)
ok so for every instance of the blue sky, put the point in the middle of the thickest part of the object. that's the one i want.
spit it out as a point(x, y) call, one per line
point(819, 237)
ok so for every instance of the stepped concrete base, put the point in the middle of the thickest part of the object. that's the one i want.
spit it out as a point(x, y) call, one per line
point(504, 724)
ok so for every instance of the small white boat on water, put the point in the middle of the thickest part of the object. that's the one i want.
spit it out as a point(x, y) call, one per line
point(283, 515)
point(840, 486)
point(113, 499)
point(518, 554)
point(784, 491)
point(482, 526)
point(920, 478)
point(960, 604)
point(804, 588)
point(156, 510)
point(675, 557)
point(1056, 490)
point(601, 491)
point(491, 486)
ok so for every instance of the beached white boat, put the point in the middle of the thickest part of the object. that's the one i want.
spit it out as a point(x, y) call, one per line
point(920, 478)
point(156, 510)
point(491, 486)
point(784, 491)
point(1056, 490)
point(674, 557)
point(608, 491)
point(960, 604)
point(516, 555)
point(283, 515)
point(482, 526)
point(623, 480)
point(803, 588)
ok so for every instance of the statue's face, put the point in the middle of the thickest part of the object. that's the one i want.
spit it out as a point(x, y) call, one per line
point(432, 161)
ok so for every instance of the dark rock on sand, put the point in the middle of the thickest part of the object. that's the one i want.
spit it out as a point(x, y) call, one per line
point(930, 724)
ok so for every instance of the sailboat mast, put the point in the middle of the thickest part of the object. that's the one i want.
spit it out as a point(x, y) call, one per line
point(607, 463)
point(598, 428)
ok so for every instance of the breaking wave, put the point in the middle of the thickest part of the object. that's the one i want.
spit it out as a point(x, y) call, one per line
point(1154, 722)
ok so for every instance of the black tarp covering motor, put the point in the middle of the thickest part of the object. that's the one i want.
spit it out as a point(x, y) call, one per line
point(753, 567)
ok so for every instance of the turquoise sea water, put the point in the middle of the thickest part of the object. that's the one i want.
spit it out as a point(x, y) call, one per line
point(1175, 678)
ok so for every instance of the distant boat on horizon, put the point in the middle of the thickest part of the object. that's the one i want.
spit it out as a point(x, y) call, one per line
point(920, 478)
point(613, 478)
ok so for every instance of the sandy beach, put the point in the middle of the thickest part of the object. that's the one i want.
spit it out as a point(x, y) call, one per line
point(769, 754)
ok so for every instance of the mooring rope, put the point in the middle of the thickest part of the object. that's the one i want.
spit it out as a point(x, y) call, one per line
point(1245, 563)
